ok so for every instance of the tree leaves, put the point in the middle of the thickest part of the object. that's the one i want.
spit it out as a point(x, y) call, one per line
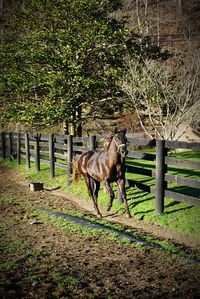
point(65, 55)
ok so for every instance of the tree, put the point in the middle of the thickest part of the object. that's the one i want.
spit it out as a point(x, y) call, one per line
point(64, 62)
point(164, 96)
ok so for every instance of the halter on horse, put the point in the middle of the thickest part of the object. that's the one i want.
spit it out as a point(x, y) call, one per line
point(106, 167)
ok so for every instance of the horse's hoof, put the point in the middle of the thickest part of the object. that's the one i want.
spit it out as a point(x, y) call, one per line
point(108, 209)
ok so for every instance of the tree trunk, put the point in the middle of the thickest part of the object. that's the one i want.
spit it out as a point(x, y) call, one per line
point(79, 126)
point(65, 128)
point(75, 127)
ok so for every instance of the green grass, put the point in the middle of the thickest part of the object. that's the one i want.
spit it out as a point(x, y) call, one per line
point(67, 224)
point(4, 267)
point(114, 236)
point(177, 216)
point(64, 280)
point(9, 242)
point(190, 155)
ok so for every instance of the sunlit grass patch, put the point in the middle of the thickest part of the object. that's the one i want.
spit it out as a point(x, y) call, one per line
point(4, 267)
point(12, 244)
point(63, 280)
point(190, 155)
point(177, 215)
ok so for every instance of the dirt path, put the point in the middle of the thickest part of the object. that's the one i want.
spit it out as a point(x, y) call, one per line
point(62, 200)
point(40, 260)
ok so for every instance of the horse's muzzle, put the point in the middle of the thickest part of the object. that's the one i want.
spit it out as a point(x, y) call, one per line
point(124, 152)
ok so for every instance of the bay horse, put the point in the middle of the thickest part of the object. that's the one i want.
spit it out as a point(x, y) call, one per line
point(105, 166)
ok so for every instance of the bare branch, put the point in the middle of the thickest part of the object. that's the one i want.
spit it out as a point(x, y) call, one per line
point(149, 86)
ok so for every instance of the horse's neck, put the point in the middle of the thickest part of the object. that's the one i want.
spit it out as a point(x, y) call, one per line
point(113, 153)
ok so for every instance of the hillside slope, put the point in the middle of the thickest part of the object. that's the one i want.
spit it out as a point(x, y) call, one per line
point(172, 24)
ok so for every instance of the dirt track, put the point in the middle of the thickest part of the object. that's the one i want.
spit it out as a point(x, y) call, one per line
point(40, 260)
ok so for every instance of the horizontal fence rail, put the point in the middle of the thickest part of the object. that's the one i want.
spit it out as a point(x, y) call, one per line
point(59, 150)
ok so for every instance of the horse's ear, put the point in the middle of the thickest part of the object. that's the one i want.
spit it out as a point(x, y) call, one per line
point(124, 131)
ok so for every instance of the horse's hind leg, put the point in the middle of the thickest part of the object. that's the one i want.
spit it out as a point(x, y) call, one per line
point(87, 181)
point(121, 184)
point(93, 189)
point(112, 195)
point(111, 202)
point(96, 185)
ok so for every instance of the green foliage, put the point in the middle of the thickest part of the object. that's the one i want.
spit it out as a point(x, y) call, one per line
point(62, 56)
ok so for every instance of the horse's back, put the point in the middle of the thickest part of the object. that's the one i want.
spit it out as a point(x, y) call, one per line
point(100, 166)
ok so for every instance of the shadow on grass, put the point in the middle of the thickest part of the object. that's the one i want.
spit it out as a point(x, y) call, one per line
point(144, 212)
point(172, 204)
point(138, 198)
point(176, 204)
point(189, 155)
point(141, 164)
point(133, 194)
point(194, 192)
point(177, 210)
point(136, 203)
point(181, 171)
point(175, 169)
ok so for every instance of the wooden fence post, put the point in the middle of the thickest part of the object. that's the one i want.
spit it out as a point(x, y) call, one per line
point(160, 176)
point(92, 142)
point(27, 149)
point(3, 145)
point(69, 158)
point(18, 148)
point(10, 146)
point(37, 153)
point(51, 155)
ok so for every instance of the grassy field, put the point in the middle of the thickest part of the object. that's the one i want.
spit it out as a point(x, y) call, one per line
point(178, 216)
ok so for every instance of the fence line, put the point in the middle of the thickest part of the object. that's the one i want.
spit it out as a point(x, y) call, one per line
point(58, 151)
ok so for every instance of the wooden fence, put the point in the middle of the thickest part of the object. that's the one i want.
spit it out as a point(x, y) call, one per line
point(58, 151)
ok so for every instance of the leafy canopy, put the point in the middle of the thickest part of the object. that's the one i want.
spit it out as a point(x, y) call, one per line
point(62, 56)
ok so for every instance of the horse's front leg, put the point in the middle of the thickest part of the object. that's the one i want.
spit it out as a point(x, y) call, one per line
point(121, 185)
point(112, 194)
point(95, 196)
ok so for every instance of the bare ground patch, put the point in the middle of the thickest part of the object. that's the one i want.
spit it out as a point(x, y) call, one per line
point(40, 260)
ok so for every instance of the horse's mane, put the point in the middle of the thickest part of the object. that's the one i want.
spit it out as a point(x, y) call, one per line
point(107, 141)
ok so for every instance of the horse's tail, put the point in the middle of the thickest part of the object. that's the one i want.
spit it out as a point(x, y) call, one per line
point(75, 172)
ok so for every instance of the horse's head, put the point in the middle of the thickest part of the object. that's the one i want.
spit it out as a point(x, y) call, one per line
point(120, 140)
